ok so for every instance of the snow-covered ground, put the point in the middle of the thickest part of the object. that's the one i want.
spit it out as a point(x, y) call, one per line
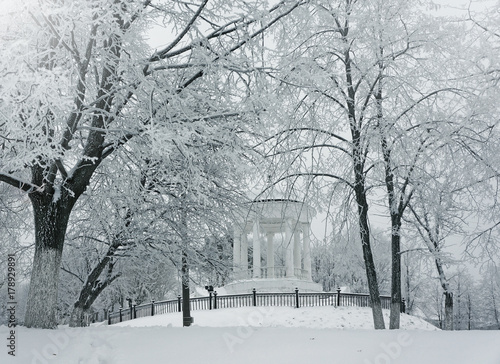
point(256, 335)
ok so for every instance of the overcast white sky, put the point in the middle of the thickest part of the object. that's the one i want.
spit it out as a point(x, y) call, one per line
point(459, 7)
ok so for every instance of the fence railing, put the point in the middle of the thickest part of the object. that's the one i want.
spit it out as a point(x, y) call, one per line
point(291, 299)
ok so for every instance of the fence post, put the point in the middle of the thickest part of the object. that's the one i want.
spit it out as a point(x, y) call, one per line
point(152, 307)
point(254, 297)
point(179, 306)
point(209, 300)
point(296, 297)
point(135, 312)
point(215, 300)
point(338, 296)
point(121, 318)
point(109, 317)
point(403, 306)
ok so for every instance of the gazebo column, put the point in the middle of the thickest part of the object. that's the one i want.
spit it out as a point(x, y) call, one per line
point(244, 255)
point(236, 252)
point(270, 255)
point(307, 250)
point(256, 249)
point(289, 271)
point(297, 250)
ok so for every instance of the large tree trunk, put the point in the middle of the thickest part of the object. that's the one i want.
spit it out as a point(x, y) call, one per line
point(358, 159)
point(395, 315)
point(51, 220)
point(359, 153)
point(448, 295)
point(371, 273)
point(448, 310)
point(395, 210)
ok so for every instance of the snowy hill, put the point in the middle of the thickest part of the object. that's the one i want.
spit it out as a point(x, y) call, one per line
point(256, 335)
point(326, 317)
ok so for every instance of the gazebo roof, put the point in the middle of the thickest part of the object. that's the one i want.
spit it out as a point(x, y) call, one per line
point(272, 213)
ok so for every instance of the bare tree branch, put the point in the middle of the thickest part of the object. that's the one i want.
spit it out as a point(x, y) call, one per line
point(18, 183)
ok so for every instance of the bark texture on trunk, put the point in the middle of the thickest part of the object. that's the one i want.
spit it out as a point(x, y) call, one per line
point(371, 275)
point(396, 209)
point(448, 310)
point(395, 315)
point(42, 296)
point(359, 152)
point(51, 221)
point(371, 272)
point(448, 295)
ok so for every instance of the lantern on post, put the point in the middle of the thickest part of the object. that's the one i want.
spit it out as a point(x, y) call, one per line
point(210, 290)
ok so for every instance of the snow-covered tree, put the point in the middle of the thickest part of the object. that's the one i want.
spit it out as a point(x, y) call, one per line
point(488, 298)
point(79, 82)
point(465, 305)
point(359, 91)
point(338, 261)
point(373, 89)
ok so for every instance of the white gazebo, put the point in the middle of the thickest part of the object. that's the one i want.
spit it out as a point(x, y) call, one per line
point(279, 246)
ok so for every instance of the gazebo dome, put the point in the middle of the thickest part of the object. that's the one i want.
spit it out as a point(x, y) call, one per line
point(286, 264)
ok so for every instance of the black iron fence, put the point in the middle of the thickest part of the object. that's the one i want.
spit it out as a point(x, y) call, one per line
point(293, 299)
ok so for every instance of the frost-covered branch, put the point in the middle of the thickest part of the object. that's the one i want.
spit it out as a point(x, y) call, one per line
point(18, 183)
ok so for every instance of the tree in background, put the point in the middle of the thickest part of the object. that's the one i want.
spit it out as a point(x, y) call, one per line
point(488, 297)
point(482, 244)
point(338, 260)
point(465, 300)
point(373, 89)
point(416, 277)
point(325, 134)
point(360, 83)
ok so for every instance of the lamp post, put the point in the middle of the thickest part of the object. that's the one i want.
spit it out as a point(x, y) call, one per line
point(129, 300)
point(210, 289)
